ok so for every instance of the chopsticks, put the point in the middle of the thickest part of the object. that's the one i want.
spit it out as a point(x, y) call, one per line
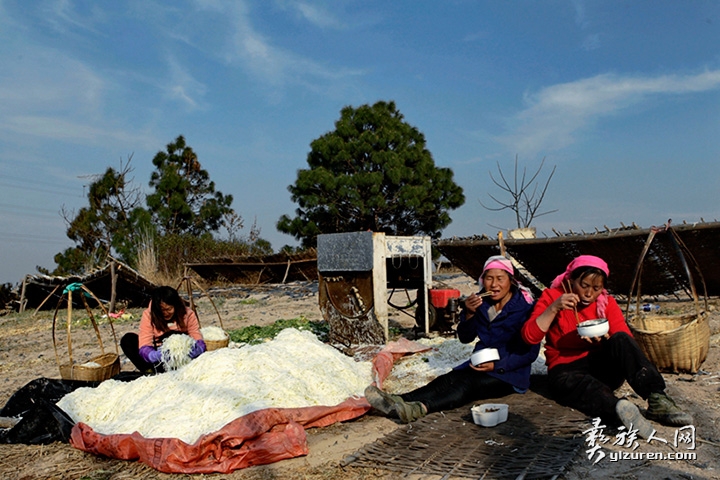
point(569, 290)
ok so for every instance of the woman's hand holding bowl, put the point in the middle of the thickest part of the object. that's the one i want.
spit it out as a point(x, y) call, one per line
point(596, 339)
point(594, 331)
point(483, 367)
point(484, 360)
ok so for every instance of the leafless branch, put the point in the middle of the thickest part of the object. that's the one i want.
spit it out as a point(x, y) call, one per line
point(525, 198)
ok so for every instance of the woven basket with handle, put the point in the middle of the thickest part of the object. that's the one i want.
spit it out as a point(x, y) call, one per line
point(210, 345)
point(216, 344)
point(674, 343)
point(96, 369)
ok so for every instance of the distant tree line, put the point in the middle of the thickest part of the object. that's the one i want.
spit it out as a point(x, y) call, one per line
point(176, 221)
point(373, 172)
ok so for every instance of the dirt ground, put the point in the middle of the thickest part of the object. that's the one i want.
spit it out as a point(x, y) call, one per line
point(26, 353)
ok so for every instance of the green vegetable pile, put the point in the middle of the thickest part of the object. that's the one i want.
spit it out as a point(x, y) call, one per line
point(254, 334)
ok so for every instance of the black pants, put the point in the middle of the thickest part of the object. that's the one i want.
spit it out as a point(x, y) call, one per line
point(457, 388)
point(130, 344)
point(588, 384)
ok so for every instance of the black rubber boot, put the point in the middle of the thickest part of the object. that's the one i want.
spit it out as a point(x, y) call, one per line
point(382, 401)
point(663, 409)
point(410, 411)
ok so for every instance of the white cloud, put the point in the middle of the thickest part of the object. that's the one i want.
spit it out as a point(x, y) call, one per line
point(47, 94)
point(556, 114)
point(591, 42)
point(270, 64)
point(47, 79)
point(63, 128)
point(64, 17)
point(580, 19)
point(317, 16)
point(313, 13)
point(184, 87)
point(52, 102)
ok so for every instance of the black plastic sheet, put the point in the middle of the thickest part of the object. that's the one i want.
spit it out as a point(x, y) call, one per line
point(41, 421)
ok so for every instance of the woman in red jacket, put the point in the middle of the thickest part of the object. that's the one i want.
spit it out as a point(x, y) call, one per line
point(584, 372)
point(166, 315)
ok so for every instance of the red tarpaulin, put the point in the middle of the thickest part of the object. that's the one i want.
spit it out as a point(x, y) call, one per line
point(258, 438)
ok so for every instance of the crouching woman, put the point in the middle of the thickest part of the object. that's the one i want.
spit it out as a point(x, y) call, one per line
point(166, 315)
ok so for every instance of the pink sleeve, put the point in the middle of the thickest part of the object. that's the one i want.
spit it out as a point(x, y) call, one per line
point(145, 337)
point(192, 324)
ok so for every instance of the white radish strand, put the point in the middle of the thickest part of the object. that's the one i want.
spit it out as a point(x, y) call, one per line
point(213, 333)
point(176, 351)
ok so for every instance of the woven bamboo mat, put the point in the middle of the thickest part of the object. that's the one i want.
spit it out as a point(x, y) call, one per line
point(538, 440)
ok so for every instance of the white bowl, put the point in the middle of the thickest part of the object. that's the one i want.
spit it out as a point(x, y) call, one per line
point(489, 414)
point(593, 328)
point(484, 355)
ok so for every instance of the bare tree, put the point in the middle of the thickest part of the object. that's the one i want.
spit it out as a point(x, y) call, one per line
point(525, 196)
point(233, 223)
point(108, 225)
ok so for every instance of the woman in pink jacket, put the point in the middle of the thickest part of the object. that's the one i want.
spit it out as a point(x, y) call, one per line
point(166, 315)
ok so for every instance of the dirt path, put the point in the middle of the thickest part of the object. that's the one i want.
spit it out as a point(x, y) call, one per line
point(26, 353)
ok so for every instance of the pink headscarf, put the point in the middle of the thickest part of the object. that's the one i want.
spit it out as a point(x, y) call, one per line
point(502, 263)
point(498, 261)
point(585, 261)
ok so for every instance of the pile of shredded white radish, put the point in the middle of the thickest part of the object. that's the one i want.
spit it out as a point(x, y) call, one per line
point(294, 370)
point(213, 333)
point(411, 372)
point(414, 371)
point(176, 350)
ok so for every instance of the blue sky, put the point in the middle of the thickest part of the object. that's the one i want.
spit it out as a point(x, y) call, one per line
point(623, 97)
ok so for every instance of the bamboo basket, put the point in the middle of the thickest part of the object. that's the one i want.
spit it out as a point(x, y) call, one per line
point(209, 344)
point(674, 343)
point(98, 368)
point(217, 344)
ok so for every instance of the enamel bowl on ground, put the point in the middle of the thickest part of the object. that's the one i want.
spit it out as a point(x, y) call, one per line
point(593, 328)
point(489, 414)
point(484, 355)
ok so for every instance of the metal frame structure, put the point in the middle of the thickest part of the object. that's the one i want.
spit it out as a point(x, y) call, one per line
point(364, 252)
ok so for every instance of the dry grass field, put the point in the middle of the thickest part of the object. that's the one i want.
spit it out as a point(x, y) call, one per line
point(26, 353)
